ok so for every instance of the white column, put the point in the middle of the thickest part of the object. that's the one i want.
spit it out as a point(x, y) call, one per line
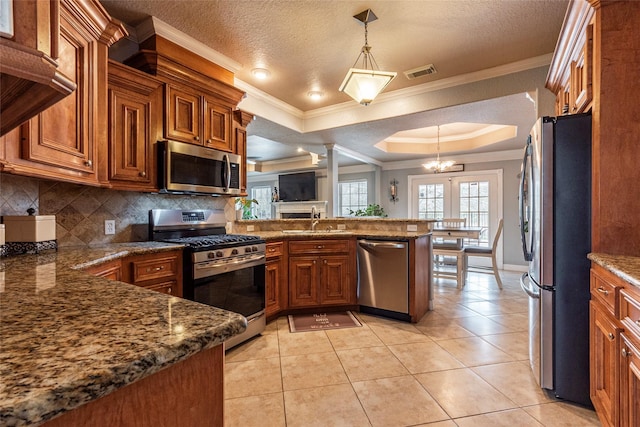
point(332, 181)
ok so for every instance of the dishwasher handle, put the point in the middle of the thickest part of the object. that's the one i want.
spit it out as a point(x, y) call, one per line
point(385, 245)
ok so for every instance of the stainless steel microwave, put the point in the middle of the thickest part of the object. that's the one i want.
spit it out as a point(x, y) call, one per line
point(188, 168)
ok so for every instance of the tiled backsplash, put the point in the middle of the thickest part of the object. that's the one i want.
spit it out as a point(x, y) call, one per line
point(81, 210)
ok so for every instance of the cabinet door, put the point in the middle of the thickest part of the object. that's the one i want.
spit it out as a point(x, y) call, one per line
point(629, 383)
point(134, 114)
point(169, 287)
point(335, 280)
point(303, 281)
point(64, 134)
point(241, 150)
point(217, 125)
point(110, 270)
point(183, 116)
point(604, 347)
point(273, 277)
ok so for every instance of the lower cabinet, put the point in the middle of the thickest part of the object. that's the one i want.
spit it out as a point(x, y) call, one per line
point(615, 349)
point(275, 279)
point(319, 279)
point(161, 271)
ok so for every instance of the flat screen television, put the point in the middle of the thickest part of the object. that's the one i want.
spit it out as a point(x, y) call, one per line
point(297, 187)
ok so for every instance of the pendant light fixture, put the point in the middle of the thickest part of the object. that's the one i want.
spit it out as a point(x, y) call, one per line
point(438, 166)
point(364, 84)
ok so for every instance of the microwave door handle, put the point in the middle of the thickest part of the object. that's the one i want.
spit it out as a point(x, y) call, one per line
point(226, 176)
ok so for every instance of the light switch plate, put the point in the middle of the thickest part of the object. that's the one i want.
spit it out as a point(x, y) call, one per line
point(109, 226)
point(412, 227)
point(250, 228)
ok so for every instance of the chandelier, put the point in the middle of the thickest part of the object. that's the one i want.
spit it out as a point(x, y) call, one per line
point(439, 166)
point(364, 84)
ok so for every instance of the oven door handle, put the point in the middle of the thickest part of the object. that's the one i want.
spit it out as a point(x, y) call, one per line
point(233, 263)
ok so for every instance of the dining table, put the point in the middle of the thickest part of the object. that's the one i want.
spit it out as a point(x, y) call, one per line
point(458, 233)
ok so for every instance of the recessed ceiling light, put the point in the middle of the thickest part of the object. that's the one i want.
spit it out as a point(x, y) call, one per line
point(260, 73)
point(315, 94)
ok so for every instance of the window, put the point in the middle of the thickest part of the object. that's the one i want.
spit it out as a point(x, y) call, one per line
point(430, 201)
point(474, 206)
point(263, 195)
point(353, 196)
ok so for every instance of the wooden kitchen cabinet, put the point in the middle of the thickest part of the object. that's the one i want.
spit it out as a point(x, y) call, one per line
point(321, 273)
point(197, 117)
point(135, 125)
point(275, 279)
point(111, 270)
point(571, 71)
point(614, 344)
point(62, 141)
point(241, 120)
point(161, 271)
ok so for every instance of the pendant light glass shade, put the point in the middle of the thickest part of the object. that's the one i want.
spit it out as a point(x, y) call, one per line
point(364, 85)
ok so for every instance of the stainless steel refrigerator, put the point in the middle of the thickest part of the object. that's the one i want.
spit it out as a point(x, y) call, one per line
point(555, 224)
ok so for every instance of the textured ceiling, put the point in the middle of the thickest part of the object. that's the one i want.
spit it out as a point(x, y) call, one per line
point(309, 45)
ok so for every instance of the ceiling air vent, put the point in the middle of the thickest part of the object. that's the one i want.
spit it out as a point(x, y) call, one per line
point(425, 70)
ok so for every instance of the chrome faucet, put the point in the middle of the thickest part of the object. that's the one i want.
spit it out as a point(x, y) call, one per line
point(314, 222)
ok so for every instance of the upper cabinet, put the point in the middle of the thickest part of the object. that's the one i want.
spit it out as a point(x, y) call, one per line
point(62, 141)
point(594, 68)
point(199, 98)
point(571, 72)
point(135, 124)
point(30, 77)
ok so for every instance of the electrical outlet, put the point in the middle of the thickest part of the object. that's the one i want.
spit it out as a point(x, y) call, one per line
point(412, 227)
point(109, 226)
point(342, 226)
point(250, 228)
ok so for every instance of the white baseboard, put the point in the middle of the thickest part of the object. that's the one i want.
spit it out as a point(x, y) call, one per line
point(515, 267)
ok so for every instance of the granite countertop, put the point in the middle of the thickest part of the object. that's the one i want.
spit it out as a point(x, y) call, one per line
point(623, 266)
point(325, 234)
point(67, 337)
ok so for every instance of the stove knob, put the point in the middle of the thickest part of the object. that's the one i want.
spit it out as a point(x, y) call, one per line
point(247, 249)
point(254, 249)
point(219, 254)
point(211, 255)
point(234, 252)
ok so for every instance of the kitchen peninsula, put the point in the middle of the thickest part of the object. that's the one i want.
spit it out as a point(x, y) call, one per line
point(77, 347)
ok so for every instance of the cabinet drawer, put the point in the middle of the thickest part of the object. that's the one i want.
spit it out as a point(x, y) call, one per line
point(605, 289)
point(155, 268)
point(318, 246)
point(630, 310)
point(169, 287)
point(274, 249)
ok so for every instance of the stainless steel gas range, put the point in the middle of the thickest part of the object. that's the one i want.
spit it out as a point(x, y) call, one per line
point(222, 270)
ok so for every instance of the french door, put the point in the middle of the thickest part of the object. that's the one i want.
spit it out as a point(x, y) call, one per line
point(476, 196)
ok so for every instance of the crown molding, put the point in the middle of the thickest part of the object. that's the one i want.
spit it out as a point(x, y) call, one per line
point(152, 26)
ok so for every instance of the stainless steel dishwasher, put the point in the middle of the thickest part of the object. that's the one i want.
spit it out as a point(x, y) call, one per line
point(383, 278)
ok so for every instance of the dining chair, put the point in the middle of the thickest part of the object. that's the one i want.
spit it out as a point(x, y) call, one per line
point(449, 252)
point(482, 251)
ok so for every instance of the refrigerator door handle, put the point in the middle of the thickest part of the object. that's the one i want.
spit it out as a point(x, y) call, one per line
point(524, 225)
point(533, 293)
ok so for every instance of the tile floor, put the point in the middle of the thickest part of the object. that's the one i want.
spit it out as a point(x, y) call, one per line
point(464, 364)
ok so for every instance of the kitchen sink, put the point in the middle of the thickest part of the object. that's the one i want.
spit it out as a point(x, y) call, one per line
point(312, 231)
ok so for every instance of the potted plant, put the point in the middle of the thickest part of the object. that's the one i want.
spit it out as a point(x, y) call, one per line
point(371, 210)
point(244, 206)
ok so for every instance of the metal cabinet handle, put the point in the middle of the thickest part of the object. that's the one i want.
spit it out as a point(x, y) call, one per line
point(638, 322)
point(325, 261)
point(314, 261)
point(611, 336)
point(155, 269)
point(272, 250)
point(603, 291)
point(626, 353)
point(170, 290)
point(143, 174)
point(88, 163)
point(209, 141)
point(197, 138)
point(319, 247)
